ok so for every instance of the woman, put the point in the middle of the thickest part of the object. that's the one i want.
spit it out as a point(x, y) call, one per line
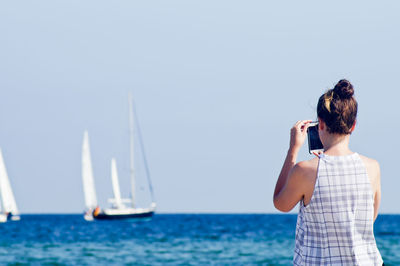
point(339, 191)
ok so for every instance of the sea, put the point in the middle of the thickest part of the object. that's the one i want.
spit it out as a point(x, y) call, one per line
point(166, 239)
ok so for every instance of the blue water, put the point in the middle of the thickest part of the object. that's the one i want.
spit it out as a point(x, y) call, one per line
point(166, 239)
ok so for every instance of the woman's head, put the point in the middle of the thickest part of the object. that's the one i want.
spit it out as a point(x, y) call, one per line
point(337, 108)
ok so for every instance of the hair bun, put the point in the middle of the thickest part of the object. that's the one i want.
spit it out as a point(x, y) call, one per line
point(344, 89)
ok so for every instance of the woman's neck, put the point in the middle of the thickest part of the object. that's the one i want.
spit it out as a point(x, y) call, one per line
point(337, 145)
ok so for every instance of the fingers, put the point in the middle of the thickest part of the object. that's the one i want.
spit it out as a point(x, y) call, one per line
point(318, 154)
point(302, 124)
point(307, 125)
point(298, 123)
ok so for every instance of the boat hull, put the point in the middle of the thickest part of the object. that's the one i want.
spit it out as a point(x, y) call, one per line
point(4, 217)
point(125, 216)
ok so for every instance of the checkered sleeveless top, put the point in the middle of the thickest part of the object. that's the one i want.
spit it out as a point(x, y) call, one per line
point(336, 227)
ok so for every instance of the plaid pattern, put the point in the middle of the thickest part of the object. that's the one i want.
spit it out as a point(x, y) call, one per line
point(336, 227)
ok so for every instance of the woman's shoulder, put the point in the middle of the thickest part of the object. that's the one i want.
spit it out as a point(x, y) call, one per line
point(307, 168)
point(373, 170)
point(309, 164)
point(369, 162)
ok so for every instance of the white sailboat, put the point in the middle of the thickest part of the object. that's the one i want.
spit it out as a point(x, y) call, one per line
point(120, 208)
point(9, 210)
point(88, 181)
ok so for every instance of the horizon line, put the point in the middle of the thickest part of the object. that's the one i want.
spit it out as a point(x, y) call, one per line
point(190, 213)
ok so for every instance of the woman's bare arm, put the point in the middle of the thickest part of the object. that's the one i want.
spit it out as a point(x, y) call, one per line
point(289, 186)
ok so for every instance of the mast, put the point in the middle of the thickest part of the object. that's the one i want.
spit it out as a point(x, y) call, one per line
point(146, 165)
point(132, 161)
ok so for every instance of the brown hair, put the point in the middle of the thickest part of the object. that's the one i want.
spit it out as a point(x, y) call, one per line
point(338, 108)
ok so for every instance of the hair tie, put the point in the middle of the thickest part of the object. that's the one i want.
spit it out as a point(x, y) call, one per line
point(328, 100)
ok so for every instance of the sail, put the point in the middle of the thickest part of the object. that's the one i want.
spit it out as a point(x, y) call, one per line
point(115, 184)
point(7, 197)
point(87, 175)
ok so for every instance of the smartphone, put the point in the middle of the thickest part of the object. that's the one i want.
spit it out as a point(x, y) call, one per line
point(314, 143)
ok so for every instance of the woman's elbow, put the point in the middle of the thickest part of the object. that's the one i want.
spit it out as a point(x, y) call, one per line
point(280, 206)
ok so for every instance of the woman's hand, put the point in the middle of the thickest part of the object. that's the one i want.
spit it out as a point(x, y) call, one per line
point(298, 134)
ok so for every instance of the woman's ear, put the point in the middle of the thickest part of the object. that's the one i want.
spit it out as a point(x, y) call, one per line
point(353, 127)
point(321, 124)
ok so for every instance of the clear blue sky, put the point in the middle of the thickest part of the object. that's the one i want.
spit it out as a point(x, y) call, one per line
point(217, 85)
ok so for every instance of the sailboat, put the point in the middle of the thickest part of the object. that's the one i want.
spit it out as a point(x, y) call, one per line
point(120, 208)
point(9, 209)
